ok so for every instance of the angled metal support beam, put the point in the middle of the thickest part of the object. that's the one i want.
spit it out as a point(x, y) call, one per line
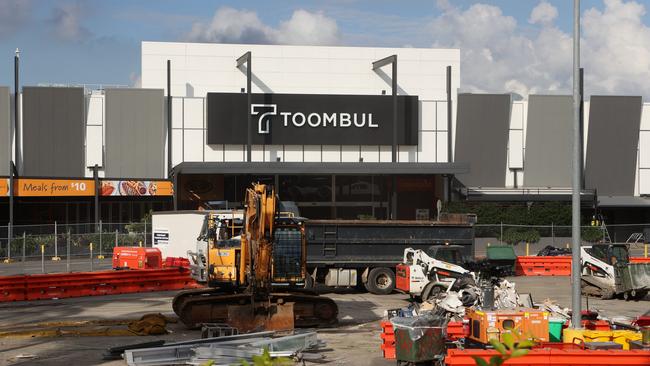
point(384, 61)
point(247, 59)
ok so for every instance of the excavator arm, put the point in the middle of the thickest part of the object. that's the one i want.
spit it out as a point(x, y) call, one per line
point(257, 238)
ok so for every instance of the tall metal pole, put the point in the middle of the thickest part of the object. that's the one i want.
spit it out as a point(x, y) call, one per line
point(169, 117)
point(582, 126)
point(17, 108)
point(394, 91)
point(247, 59)
point(576, 305)
point(97, 192)
point(450, 151)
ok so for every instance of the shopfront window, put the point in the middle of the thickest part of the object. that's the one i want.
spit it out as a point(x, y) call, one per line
point(306, 188)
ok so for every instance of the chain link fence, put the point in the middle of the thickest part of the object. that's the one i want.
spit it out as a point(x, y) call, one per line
point(67, 247)
point(530, 239)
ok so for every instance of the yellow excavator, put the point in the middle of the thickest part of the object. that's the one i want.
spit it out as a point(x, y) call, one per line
point(253, 283)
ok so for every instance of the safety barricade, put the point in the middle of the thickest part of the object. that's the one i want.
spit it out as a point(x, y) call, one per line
point(543, 266)
point(555, 357)
point(640, 259)
point(64, 285)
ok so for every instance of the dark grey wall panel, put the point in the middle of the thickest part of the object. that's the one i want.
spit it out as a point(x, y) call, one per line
point(5, 120)
point(135, 133)
point(612, 142)
point(549, 137)
point(53, 132)
point(482, 127)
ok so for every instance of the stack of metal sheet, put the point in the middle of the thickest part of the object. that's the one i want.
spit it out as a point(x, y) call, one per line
point(224, 350)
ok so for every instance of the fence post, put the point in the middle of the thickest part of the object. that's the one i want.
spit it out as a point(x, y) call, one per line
point(527, 248)
point(8, 251)
point(145, 233)
point(42, 258)
point(91, 256)
point(115, 237)
point(553, 232)
point(67, 257)
point(24, 239)
point(501, 238)
point(56, 243)
point(645, 250)
point(101, 255)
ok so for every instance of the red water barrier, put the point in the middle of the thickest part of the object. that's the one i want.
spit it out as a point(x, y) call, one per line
point(543, 266)
point(555, 357)
point(640, 260)
point(64, 285)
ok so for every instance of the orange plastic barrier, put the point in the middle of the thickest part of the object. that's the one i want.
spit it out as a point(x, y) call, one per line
point(388, 340)
point(543, 266)
point(555, 357)
point(64, 285)
point(640, 260)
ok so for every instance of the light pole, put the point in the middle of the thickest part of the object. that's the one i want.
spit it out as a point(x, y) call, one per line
point(576, 305)
point(247, 59)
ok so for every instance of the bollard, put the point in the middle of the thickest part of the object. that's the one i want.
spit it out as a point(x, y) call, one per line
point(567, 245)
point(42, 258)
point(115, 237)
point(645, 250)
point(101, 254)
point(67, 257)
point(527, 248)
point(91, 257)
point(56, 244)
point(140, 243)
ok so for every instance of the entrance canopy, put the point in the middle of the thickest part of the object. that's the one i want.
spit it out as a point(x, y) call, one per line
point(319, 168)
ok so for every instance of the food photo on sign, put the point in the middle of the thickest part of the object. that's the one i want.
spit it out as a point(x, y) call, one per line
point(134, 188)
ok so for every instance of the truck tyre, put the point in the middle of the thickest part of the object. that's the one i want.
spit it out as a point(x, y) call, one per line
point(381, 281)
point(640, 295)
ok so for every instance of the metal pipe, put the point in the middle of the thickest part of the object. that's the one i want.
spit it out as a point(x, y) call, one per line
point(169, 117)
point(576, 304)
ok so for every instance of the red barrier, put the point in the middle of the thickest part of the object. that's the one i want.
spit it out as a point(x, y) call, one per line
point(176, 262)
point(556, 357)
point(543, 266)
point(64, 285)
point(640, 260)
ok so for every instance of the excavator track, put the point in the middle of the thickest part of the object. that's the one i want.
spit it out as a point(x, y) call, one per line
point(210, 306)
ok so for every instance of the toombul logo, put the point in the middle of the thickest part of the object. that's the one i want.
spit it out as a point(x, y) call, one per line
point(299, 119)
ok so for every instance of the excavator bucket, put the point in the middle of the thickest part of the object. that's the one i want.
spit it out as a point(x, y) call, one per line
point(261, 316)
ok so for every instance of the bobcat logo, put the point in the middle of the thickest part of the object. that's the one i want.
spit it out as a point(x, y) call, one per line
point(264, 120)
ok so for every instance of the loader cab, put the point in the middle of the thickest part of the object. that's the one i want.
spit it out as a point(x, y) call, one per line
point(611, 254)
point(447, 253)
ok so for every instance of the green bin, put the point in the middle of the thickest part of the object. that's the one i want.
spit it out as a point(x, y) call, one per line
point(555, 329)
point(421, 344)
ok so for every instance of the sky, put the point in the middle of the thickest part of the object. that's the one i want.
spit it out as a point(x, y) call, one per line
point(519, 46)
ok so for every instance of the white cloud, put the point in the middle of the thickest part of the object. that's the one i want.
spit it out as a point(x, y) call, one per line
point(241, 26)
point(67, 21)
point(13, 14)
point(497, 56)
point(543, 13)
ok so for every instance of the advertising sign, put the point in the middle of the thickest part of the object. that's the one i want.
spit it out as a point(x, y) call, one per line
point(4, 187)
point(28, 187)
point(136, 188)
point(311, 119)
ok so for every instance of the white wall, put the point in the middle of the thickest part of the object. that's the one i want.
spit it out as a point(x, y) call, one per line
point(200, 68)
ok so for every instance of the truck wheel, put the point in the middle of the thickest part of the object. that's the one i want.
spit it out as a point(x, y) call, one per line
point(640, 295)
point(381, 281)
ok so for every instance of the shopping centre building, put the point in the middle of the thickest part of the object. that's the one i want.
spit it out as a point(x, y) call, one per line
point(322, 124)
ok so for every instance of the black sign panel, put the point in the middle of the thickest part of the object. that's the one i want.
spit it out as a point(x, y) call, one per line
point(312, 119)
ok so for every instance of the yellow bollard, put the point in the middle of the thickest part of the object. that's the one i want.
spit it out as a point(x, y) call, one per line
point(645, 250)
point(140, 242)
point(567, 245)
point(527, 248)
